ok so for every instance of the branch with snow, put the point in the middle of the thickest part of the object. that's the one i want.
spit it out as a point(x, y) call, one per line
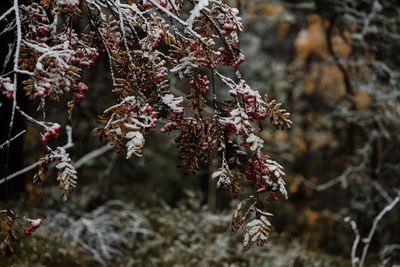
point(359, 261)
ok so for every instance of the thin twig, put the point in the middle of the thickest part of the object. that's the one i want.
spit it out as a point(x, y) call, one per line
point(377, 219)
point(92, 155)
point(12, 139)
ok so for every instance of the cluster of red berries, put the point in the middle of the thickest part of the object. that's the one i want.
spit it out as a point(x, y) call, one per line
point(52, 132)
point(257, 116)
point(252, 107)
point(43, 30)
point(197, 49)
point(228, 21)
point(230, 128)
point(7, 87)
point(43, 86)
point(256, 169)
point(173, 123)
point(161, 72)
point(36, 12)
point(156, 38)
point(231, 60)
point(39, 22)
point(68, 5)
point(251, 99)
point(112, 35)
point(201, 84)
point(228, 28)
point(34, 225)
point(164, 3)
point(160, 77)
point(127, 110)
point(80, 90)
point(148, 115)
point(84, 57)
point(273, 196)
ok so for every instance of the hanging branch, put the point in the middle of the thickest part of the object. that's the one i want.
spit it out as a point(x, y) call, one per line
point(146, 55)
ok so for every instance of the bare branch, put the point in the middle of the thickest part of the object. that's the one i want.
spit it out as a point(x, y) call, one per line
point(7, 143)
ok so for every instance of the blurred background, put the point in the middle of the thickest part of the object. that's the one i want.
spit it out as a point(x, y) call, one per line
point(335, 67)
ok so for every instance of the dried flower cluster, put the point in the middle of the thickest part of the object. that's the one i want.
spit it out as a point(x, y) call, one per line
point(66, 173)
point(148, 43)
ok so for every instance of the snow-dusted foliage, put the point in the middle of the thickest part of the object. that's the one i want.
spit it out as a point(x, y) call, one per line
point(11, 225)
point(66, 173)
point(7, 87)
point(149, 44)
point(196, 12)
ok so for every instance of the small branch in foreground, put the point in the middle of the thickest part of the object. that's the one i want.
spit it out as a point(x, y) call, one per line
point(79, 163)
point(7, 143)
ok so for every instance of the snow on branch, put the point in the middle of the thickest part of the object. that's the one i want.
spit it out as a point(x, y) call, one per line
point(7, 143)
point(195, 12)
point(149, 47)
point(359, 261)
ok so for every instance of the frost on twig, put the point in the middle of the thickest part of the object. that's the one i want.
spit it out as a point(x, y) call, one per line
point(7, 143)
point(359, 261)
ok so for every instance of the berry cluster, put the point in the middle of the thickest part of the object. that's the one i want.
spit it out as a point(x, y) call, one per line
point(51, 132)
point(161, 72)
point(43, 30)
point(83, 57)
point(39, 27)
point(200, 84)
point(80, 90)
point(143, 118)
point(34, 225)
point(173, 122)
point(231, 59)
point(7, 87)
point(148, 115)
point(230, 128)
point(68, 5)
point(230, 21)
point(238, 122)
point(43, 87)
point(196, 49)
point(152, 41)
point(164, 3)
point(111, 35)
point(257, 172)
point(252, 102)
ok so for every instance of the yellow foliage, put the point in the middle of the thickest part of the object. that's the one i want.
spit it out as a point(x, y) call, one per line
point(300, 145)
point(273, 9)
point(282, 28)
point(362, 100)
point(294, 185)
point(281, 137)
point(323, 74)
point(312, 39)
